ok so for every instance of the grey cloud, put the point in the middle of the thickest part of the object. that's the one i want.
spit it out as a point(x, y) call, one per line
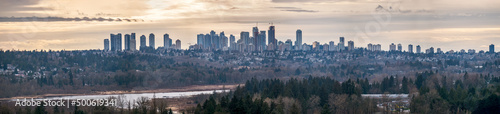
point(20, 5)
point(286, 7)
point(53, 19)
point(294, 9)
point(397, 10)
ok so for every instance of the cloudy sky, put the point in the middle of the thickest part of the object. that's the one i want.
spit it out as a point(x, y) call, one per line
point(83, 24)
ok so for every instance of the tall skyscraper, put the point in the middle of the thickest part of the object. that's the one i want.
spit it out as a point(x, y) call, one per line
point(418, 49)
point(232, 40)
point(178, 44)
point(271, 37)
point(331, 46)
point(377, 47)
point(116, 42)
point(350, 45)
point(200, 39)
point(167, 42)
point(400, 47)
point(106, 44)
point(127, 42)
point(341, 45)
point(119, 41)
point(132, 42)
point(216, 41)
point(113, 40)
point(208, 41)
point(255, 33)
point(492, 48)
point(222, 40)
point(392, 47)
point(246, 37)
point(298, 39)
point(262, 40)
point(143, 41)
point(369, 47)
point(152, 40)
point(431, 50)
point(410, 48)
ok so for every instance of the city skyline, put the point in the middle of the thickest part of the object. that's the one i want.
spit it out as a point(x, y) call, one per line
point(222, 42)
point(455, 25)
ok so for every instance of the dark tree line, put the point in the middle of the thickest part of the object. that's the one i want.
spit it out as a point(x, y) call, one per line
point(311, 95)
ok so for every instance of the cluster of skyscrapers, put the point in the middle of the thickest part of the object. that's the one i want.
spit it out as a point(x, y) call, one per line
point(212, 41)
point(115, 44)
point(399, 48)
point(255, 42)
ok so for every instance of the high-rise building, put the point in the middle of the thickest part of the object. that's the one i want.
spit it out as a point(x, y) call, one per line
point(246, 37)
point(262, 41)
point(200, 39)
point(106, 44)
point(216, 41)
point(167, 42)
point(438, 50)
point(298, 39)
point(325, 47)
point(178, 44)
point(378, 47)
point(113, 40)
point(369, 47)
point(410, 48)
point(132, 42)
point(492, 48)
point(143, 41)
point(116, 42)
point(418, 49)
point(315, 45)
point(431, 50)
point(255, 35)
point(208, 41)
point(400, 47)
point(224, 40)
point(341, 44)
point(221, 39)
point(271, 36)
point(232, 40)
point(127, 42)
point(350, 45)
point(152, 40)
point(331, 46)
point(392, 47)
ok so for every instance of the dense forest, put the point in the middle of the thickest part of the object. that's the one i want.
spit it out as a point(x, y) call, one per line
point(325, 95)
point(311, 95)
